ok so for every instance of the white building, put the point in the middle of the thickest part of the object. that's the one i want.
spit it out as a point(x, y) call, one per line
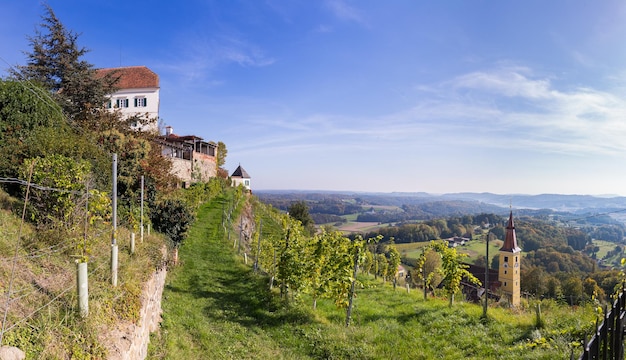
point(240, 177)
point(137, 94)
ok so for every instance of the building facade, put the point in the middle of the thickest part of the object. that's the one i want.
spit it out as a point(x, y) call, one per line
point(137, 95)
point(240, 177)
point(193, 159)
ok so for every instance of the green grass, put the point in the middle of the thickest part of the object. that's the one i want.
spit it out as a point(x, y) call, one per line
point(474, 248)
point(411, 250)
point(605, 247)
point(216, 307)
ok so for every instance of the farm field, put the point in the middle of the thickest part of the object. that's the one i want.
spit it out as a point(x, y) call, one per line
point(473, 249)
point(605, 247)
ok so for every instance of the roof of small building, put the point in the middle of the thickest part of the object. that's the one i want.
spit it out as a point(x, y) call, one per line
point(132, 77)
point(240, 172)
point(510, 241)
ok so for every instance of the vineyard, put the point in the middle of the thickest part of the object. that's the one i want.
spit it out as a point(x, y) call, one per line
point(240, 292)
point(38, 282)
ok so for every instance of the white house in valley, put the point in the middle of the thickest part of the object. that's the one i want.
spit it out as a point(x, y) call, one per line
point(137, 94)
point(193, 159)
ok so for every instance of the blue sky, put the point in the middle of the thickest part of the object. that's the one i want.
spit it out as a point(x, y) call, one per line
point(401, 95)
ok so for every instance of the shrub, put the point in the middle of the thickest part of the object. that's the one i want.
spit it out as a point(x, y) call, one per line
point(172, 218)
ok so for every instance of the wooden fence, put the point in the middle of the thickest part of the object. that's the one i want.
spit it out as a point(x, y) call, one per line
point(608, 340)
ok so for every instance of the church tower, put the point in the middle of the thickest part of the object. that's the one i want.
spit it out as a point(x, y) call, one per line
point(509, 271)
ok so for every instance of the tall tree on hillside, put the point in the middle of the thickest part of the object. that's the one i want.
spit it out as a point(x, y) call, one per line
point(56, 63)
point(23, 109)
point(300, 211)
point(221, 160)
point(221, 154)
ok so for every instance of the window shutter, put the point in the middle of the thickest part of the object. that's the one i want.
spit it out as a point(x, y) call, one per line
point(145, 101)
point(135, 102)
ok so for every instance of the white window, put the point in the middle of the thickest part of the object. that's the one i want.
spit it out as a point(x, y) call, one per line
point(141, 102)
point(121, 103)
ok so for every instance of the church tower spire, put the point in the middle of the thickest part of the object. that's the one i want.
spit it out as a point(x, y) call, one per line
point(510, 258)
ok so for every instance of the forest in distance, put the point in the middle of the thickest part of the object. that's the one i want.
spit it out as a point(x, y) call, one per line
point(572, 246)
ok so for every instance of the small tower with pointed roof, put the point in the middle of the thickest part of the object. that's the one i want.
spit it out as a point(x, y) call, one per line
point(241, 177)
point(510, 258)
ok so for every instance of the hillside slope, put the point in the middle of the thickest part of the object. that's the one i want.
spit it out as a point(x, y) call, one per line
point(216, 307)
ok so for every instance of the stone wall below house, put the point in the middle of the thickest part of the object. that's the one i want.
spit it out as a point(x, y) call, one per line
point(182, 169)
point(130, 341)
point(204, 166)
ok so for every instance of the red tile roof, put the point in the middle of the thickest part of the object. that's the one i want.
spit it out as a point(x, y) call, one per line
point(132, 77)
point(510, 240)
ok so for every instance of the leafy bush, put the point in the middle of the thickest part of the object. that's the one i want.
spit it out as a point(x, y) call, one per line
point(63, 179)
point(172, 218)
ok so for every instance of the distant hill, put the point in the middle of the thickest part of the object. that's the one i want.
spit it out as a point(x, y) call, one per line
point(555, 202)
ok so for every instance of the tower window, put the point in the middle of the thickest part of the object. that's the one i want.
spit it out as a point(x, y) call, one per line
point(504, 272)
point(506, 259)
point(505, 284)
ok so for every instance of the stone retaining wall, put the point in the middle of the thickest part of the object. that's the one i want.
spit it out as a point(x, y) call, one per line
point(131, 341)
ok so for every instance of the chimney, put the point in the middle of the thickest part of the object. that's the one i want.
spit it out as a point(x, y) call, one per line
point(169, 130)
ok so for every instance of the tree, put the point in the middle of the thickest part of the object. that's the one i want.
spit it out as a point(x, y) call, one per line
point(329, 267)
point(56, 63)
point(393, 260)
point(452, 268)
point(172, 218)
point(24, 108)
point(63, 180)
point(534, 280)
point(553, 287)
point(572, 289)
point(291, 256)
point(300, 211)
point(221, 154)
point(382, 265)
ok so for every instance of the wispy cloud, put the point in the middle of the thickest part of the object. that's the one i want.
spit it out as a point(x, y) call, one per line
point(343, 11)
point(533, 109)
point(502, 108)
point(199, 57)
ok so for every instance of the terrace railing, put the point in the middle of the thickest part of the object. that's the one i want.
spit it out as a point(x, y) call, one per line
point(608, 340)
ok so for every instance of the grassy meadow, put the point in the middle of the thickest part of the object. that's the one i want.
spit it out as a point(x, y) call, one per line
point(215, 306)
